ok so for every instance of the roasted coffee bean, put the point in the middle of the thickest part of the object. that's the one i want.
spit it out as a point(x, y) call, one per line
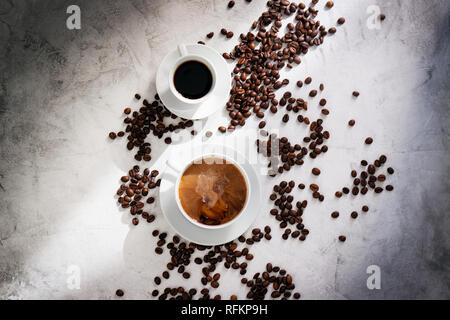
point(135, 221)
point(230, 34)
point(369, 140)
point(127, 110)
point(355, 93)
point(166, 275)
point(335, 214)
point(210, 35)
point(329, 4)
point(390, 170)
point(119, 293)
point(168, 140)
point(231, 4)
point(285, 118)
point(342, 238)
point(112, 135)
point(299, 83)
point(382, 16)
point(351, 123)
point(301, 186)
point(313, 93)
point(389, 188)
point(354, 214)
point(322, 102)
point(262, 124)
point(316, 171)
point(137, 96)
point(157, 280)
point(341, 20)
point(365, 208)
point(378, 190)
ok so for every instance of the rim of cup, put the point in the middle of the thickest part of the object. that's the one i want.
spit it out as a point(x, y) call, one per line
point(192, 220)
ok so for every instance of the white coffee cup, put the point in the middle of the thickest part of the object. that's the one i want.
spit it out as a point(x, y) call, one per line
point(198, 160)
point(184, 57)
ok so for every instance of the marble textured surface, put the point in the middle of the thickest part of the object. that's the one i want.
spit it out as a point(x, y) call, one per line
point(62, 91)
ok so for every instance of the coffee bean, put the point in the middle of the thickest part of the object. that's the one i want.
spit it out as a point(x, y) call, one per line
point(157, 280)
point(389, 188)
point(329, 4)
point(135, 221)
point(223, 31)
point(186, 275)
point(365, 208)
point(354, 215)
point(230, 34)
point(338, 194)
point(342, 238)
point(301, 186)
point(369, 140)
point(166, 275)
point(390, 170)
point(210, 35)
point(168, 140)
point(137, 96)
point(314, 187)
point(112, 135)
point(351, 123)
point(355, 94)
point(322, 102)
point(262, 124)
point(285, 118)
point(335, 214)
point(222, 129)
point(316, 171)
point(313, 93)
point(341, 20)
point(382, 16)
point(127, 110)
point(299, 83)
point(231, 4)
point(332, 30)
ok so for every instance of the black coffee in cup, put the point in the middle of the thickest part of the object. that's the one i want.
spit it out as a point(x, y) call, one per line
point(193, 79)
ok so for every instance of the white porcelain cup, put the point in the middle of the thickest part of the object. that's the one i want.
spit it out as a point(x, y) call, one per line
point(181, 169)
point(184, 57)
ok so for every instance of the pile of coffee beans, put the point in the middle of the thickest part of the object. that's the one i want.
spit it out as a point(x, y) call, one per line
point(367, 179)
point(283, 155)
point(263, 53)
point(150, 118)
point(275, 277)
point(286, 213)
point(134, 189)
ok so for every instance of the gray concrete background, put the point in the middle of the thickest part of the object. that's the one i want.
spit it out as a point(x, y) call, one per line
point(62, 91)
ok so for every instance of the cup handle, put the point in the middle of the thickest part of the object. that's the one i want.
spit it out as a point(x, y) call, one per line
point(182, 50)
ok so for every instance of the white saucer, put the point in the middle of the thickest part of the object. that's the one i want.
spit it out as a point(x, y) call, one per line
point(219, 96)
point(194, 233)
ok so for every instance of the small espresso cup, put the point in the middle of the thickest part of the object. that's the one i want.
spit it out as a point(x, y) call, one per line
point(185, 56)
point(181, 172)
